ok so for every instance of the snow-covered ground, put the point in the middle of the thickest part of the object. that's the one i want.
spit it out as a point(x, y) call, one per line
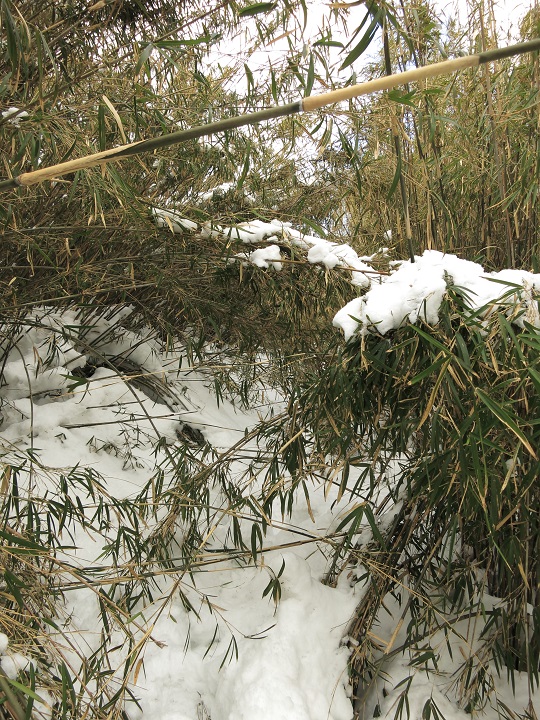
point(238, 653)
point(96, 416)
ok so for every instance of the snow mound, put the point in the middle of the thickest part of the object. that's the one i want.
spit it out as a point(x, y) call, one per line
point(266, 257)
point(77, 394)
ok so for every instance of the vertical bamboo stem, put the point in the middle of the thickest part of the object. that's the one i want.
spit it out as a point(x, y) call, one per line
point(399, 154)
point(497, 157)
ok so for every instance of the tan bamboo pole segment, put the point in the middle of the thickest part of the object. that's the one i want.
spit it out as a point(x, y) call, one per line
point(313, 102)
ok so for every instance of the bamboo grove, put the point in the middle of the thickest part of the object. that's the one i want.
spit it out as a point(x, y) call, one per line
point(451, 163)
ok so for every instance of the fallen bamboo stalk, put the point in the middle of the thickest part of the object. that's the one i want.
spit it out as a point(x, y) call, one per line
point(307, 104)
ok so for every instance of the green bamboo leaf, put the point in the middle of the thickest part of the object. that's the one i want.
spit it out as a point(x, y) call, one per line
point(231, 653)
point(427, 371)
point(423, 658)
point(74, 185)
point(25, 142)
point(268, 589)
point(203, 40)
point(245, 168)
point(395, 181)
point(509, 332)
point(256, 539)
point(505, 418)
point(26, 690)
point(535, 376)
point(102, 129)
point(274, 85)
point(396, 96)
point(22, 543)
point(354, 518)
point(43, 45)
point(143, 57)
point(463, 352)
point(13, 585)
point(4, 83)
point(250, 80)
point(373, 525)
point(430, 339)
point(69, 696)
point(365, 41)
point(305, 9)
point(17, 711)
point(315, 227)
point(310, 76)
point(532, 341)
point(256, 9)
point(11, 34)
point(328, 43)
point(201, 78)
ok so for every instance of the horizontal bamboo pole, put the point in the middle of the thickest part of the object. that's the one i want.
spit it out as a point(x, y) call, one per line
point(308, 104)
point(142, 146)
point(314, 102)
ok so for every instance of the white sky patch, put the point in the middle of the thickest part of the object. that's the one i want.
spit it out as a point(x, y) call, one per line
point(295, 39)
point(508, 14)
point(321, 21)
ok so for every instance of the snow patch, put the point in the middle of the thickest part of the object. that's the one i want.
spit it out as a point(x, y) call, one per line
point(415, 291)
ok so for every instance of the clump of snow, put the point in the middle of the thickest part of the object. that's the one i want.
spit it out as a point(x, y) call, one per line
point(411, 291)
point(14, 116)
point(13, 664)
point(416, 290)
point(175, 222)
point(279, 677)
point(269, 256)
point(218, 191)
point(43, 708)
point(252, 232)
point(332, 254)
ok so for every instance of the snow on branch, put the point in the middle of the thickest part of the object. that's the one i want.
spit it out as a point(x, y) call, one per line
point(416, 290)
point(319, 251)
point(410, 292)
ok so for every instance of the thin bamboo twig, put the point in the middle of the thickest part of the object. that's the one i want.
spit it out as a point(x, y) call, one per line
point(314, 102)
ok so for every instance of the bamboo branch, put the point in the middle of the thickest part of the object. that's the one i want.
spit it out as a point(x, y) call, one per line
point(308, 104)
